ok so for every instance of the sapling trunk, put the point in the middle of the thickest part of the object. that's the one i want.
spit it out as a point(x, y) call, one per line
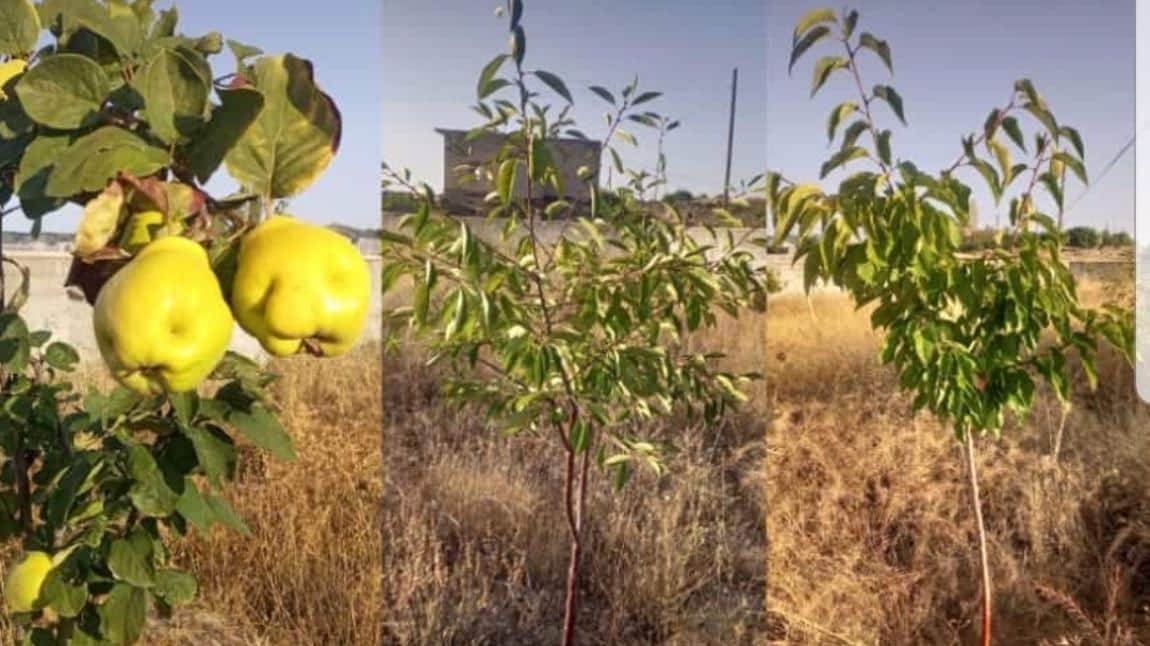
point(576, 505)
point(987, 600)
point(1061, 429)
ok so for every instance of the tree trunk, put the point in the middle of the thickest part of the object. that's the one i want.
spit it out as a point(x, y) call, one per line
point(987, 599)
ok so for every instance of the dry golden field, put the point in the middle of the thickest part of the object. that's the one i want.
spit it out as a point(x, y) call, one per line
point(872, 537)
point(453, 535)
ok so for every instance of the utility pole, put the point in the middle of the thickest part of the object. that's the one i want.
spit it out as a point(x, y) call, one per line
point(730, 136)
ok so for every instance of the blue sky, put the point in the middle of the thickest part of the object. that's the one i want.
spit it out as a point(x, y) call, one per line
point(434, 51)
point(953, 62)
point(342, 39)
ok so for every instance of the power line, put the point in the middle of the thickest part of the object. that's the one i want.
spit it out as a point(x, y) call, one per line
point(1106, 169)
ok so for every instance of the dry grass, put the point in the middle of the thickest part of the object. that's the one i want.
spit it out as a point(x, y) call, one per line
point(309, 574)
point(476, 544)
point(871, 531)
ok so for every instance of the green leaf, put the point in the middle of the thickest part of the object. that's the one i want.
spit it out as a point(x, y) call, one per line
point(888, 94)
point(93, 160)
point(64, 91)
point(63, 496)
point(214, 453)
point(175, 85)
point(882, 144)
point(518, 44)
point(295, 136)
point(581, 436)
point(603, 93)
point(1010, 125)
point(176, 587)
point(622, 475)
point(485, 87)
point(516, 13)
point(626, 136)
point(224, 514)
point(194, 508)
point(420, 302)
point(1053, 186)
point(506, 180)
point(852, 133)
point(65, 599)
point(645, 97)
point(880, 47)
point(811, 18)
point(237, 111)
point(990, 127)
point(823, 69)
point(121, 30)
point(110, 407)
point(1075, 140)
point(841, 158)
point(35, 169)
point(242, 53)
point(1002, 156)
point(19, 27)
point(1044, 116)
point(540, 159)
point(150, 492)
point(123, 613)
point(131, 561)
point(210, 43)
point(801, 46)
point(15, 346)
point(555, 83)
point(842, 111)
point(1073, 164)
point(1026, 88)
point(850, 23)
point(265, 431)
point(61, 356)
point(990, 175)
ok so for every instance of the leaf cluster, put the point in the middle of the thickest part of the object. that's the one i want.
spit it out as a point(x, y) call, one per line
point(971, 334)
point(585, 336)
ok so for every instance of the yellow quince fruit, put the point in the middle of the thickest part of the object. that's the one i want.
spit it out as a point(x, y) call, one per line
point(22, 587)
point(144, 227)
point(161, 321)
point(299, 286)
point(9, 71)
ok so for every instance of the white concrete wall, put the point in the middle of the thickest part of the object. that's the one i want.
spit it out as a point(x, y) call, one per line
point(50, 306)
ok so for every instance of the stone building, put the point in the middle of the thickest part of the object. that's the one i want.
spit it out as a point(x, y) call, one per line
point(464, 190)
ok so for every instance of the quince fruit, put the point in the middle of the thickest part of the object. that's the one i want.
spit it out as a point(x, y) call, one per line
point(300, 287)
point(22, 587)
point(161, 321)
point(9, 71)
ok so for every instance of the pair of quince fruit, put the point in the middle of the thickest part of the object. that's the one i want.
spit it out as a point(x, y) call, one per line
point(163, 323)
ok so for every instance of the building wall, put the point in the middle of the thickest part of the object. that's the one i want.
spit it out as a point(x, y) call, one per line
point(467, 194)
